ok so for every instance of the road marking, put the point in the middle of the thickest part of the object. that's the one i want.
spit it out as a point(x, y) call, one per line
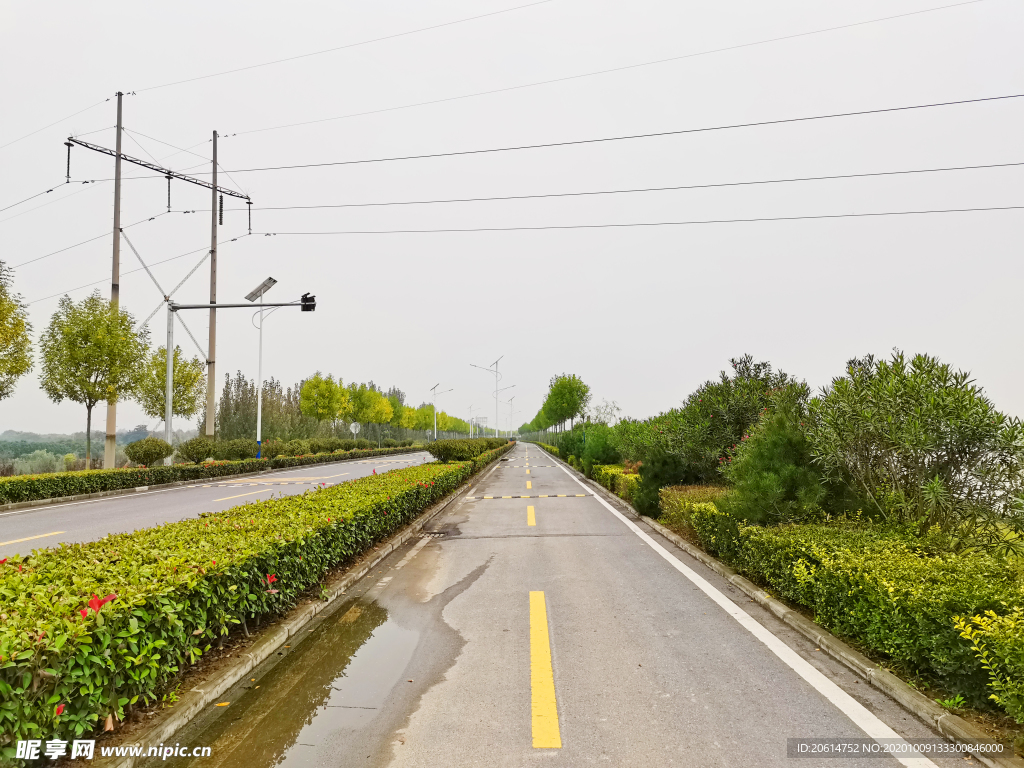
point(531, 518)
point(527, 471)
point(868, 722)
point(30, 538)
point(544, 707)
point(529, 485)
point(250, 493)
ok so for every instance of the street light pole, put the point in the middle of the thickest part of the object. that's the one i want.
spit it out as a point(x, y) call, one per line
point(510, 415)
point(261, 289)
point(169, 373)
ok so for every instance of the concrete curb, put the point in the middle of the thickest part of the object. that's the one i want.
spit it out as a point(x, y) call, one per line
point(951, 726)
point(28, 505)
point(194, 701)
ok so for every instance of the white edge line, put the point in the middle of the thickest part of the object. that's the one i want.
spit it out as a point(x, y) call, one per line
point(853, 709)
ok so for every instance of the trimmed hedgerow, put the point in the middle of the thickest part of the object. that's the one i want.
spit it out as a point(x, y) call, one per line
point(58, 484)
point(463, 450)
point(616, 479)
point(886, 589)
point(88, 630)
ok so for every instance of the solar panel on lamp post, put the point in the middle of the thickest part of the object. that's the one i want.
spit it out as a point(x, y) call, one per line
point(257, 293)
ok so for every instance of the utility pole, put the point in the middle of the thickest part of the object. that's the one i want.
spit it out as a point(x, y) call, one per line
point(510, 415)
point(211, 365)
point(109, 446)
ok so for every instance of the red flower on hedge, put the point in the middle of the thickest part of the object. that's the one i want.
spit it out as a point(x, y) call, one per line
point(271, 578)
point(60, 710)
point(3, 561)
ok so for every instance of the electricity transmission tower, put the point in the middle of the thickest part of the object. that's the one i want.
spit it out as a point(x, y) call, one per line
point(216, 214)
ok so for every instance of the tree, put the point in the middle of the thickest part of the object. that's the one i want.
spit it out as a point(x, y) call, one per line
point(567, 398)
point(189, 385)
point(15, 343)
point(924, 446)
point(91, 352)
point(321, 398)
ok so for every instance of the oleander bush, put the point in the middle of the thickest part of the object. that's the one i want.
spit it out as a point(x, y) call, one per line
point(148, 451)
point(235, 450)
point(49, 486)
point(89, 630)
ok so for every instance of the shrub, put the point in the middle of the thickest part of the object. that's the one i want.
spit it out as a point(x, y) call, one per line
point(38, 463)
point(270, 449)
point(149, 451)
point(600, 447)
point(235, 450)
point(998, 644)
point(295, 448)
point(324, 445)
point(462, 450)
point(69, 461)
point(389, 443)
point(888, 589)
point(923, 445)
point(677, 503)
point(348, 445)
point(196, 450)
point(660, 469)
point(362, 444)
point(771, 472)
point(169, 592)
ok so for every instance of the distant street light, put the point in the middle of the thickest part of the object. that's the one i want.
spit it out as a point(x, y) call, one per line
point(434, 403)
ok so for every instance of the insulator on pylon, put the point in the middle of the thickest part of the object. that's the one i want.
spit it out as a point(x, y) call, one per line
point(222, 210)
point(68, 145)
point(168, 193)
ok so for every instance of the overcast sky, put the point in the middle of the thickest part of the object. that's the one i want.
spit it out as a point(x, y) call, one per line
point(642, 314)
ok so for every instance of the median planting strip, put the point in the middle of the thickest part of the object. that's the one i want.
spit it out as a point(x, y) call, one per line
point(71, 660)
point(21, 492)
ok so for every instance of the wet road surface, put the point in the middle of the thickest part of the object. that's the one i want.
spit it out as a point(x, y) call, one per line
point(544, 628)
point(78, 521)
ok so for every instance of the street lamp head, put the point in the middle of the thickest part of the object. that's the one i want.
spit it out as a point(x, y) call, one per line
point(262, 288)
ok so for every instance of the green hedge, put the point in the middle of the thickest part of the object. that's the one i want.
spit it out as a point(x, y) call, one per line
point(58, 484)
point(88, 630)
point(463, 450)
point(615, 478)
point(887, 590)
point(549, 448)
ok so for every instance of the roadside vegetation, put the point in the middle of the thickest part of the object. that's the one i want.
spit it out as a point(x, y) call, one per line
point(889, 505)
point(88, 632)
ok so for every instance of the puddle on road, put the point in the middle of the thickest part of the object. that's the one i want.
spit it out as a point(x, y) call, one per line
point(334, 684)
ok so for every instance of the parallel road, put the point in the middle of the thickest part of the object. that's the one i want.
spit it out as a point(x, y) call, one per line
point(24, 530)
point(537, 623)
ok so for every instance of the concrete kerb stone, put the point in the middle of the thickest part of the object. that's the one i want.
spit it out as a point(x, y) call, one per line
point(28, 505)
point(949, 725)
point(195, 700)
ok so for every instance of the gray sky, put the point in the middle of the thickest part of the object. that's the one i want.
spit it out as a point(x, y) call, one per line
point(643, 314)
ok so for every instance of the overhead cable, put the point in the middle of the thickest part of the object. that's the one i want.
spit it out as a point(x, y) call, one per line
point(348, 45)
point(645, 223)
point(629, 191)
point(91, 239)
point(55, 122)
point(631, 137)
point(598, 72)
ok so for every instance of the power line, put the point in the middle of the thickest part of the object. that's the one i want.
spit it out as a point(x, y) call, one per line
point(634, 190)
point(130, 271)
point(599, 72)
point(647, 224)
point(349, 45)
point(91, 239)
point(630, 137)
point(33, 197)
point(51, 202)
point(33, 133)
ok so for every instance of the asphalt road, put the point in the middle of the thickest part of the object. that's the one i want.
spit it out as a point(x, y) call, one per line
point(553, 629)
point(79, 521)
